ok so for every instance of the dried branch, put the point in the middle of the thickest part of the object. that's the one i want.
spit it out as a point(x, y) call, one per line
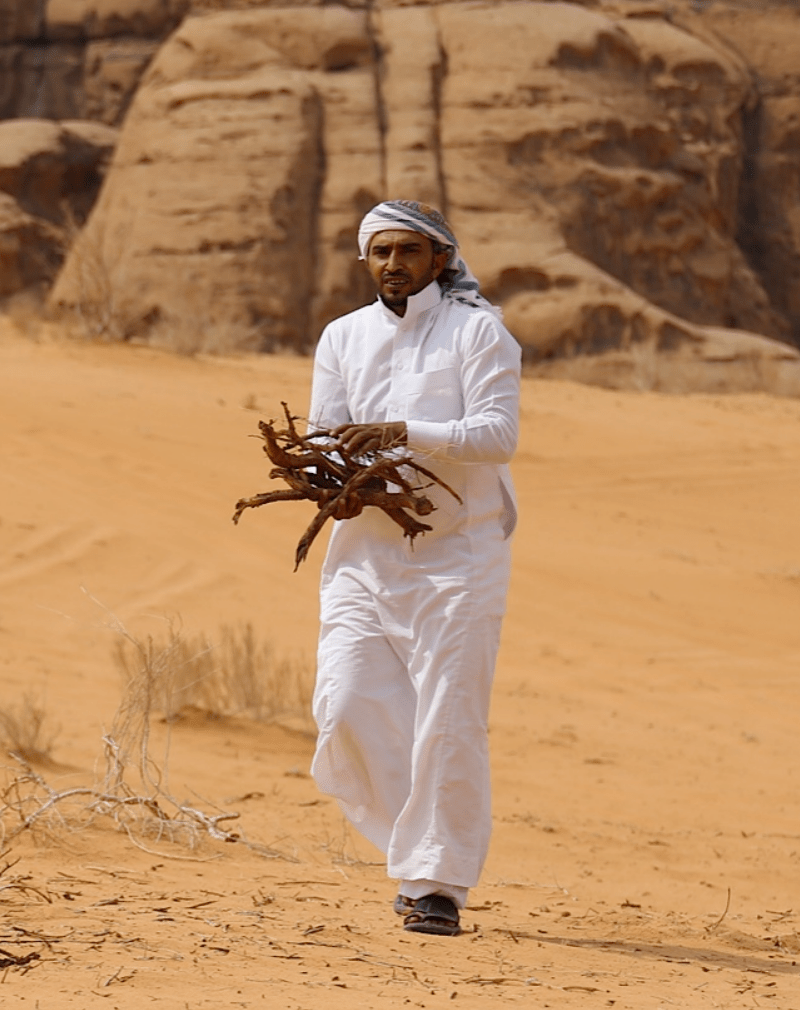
point(342, 484)
point(9, 960)
point(715, 925)
point(18, 882)
point(146, 807)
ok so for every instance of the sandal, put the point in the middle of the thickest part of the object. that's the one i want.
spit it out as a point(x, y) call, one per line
point(433, 914)
point(403, 905)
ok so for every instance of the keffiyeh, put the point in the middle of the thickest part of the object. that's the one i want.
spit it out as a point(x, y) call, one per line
point(408, 215)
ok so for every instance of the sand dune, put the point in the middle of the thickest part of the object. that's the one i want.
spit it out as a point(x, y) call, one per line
point(647, 841)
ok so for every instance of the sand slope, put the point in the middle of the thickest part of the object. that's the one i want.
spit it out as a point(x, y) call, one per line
point(643, 729)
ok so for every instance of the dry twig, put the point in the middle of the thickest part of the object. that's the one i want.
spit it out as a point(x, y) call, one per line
point(18, 882)
point(9, 960)
point(715, 925)
point(145, 808)
point(318, 469)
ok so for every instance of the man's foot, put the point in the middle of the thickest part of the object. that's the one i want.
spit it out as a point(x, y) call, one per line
point(433, 914)
point(403, 905)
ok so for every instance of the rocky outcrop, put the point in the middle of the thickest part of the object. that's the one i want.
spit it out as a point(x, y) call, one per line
point(567, 130)
point(50, 174)
point(581, 324)
point(52, 169)
point(76, 59)
point(623, 174)
point(30, 249)
point(91, 19)
point(20, 20)
point(251, 148)
point(769, 222)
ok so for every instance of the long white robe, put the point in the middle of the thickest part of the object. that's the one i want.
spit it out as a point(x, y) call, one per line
point(409, 632)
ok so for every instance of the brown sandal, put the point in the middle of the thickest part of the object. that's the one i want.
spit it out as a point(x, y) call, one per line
point(403, 905)
point(433, 914)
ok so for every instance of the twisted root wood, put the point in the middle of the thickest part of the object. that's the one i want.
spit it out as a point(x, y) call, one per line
point(318, 469)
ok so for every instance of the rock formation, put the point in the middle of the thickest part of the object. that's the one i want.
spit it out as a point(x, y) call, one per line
point(50, 174)
point(624, 176)
point(768, 37)
point(78, 59)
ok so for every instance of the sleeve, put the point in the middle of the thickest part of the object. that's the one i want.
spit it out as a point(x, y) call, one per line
point(490, 379)
point(328, 395)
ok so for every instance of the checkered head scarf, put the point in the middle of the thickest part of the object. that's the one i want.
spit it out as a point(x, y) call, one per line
point(456, 282)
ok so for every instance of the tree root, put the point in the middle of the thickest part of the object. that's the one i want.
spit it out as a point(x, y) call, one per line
point(318, 469)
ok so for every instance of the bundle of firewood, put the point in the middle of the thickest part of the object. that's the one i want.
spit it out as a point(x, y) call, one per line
point(318, 469)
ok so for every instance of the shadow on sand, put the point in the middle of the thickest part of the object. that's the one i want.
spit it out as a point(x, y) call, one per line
point(704, 957)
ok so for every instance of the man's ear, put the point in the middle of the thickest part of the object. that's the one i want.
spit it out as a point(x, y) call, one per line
point(439, 262)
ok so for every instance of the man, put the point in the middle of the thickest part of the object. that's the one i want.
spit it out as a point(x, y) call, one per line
point(409, 631)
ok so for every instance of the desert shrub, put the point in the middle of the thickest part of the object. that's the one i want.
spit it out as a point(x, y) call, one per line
point(97, 275)
point(131, 787)
point(24, 732)
point(236, 675)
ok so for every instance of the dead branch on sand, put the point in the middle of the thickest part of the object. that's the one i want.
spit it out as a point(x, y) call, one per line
point(9, 960)
point(18, 882)
point(718, 922)
point(146, 808)
point(318, 469)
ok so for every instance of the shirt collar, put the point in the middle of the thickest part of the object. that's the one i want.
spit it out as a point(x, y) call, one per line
point(416, 305)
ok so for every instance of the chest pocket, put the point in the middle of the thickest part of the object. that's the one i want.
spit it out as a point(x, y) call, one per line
point(434, 395)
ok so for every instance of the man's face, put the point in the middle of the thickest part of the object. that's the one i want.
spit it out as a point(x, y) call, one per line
point(403, 263)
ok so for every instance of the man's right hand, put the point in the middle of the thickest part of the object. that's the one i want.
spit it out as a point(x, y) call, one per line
point(348, 506)
point(357, 439)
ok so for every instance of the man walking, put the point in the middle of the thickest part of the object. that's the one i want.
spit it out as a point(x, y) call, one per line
point(410, 631)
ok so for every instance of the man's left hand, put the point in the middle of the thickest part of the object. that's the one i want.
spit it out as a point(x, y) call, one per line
point(357, 439)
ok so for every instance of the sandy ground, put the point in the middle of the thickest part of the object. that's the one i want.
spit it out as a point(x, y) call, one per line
point(646, 851)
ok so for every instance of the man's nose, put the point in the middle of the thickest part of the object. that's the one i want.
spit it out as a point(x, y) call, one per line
point(394, 261)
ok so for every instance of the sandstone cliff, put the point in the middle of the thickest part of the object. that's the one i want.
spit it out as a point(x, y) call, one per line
point(78, 59)
point(50, 175)
point(622, 175)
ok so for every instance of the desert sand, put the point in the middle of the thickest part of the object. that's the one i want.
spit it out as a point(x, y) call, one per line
point(646, 851)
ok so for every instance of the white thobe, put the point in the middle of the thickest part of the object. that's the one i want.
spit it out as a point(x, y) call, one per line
point(409, 631)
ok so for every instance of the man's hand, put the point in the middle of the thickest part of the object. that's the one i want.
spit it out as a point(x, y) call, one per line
point(346, 507)
point(349, 507)
point(357, 439)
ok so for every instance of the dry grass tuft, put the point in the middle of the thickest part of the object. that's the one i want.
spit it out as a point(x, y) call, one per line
point(237, 675)
point(194, 333)
point(24, 733)
point(27, 312)
point(97, 278)
point(132, 788)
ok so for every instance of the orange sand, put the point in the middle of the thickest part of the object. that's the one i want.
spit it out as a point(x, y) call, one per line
point(644, 725)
